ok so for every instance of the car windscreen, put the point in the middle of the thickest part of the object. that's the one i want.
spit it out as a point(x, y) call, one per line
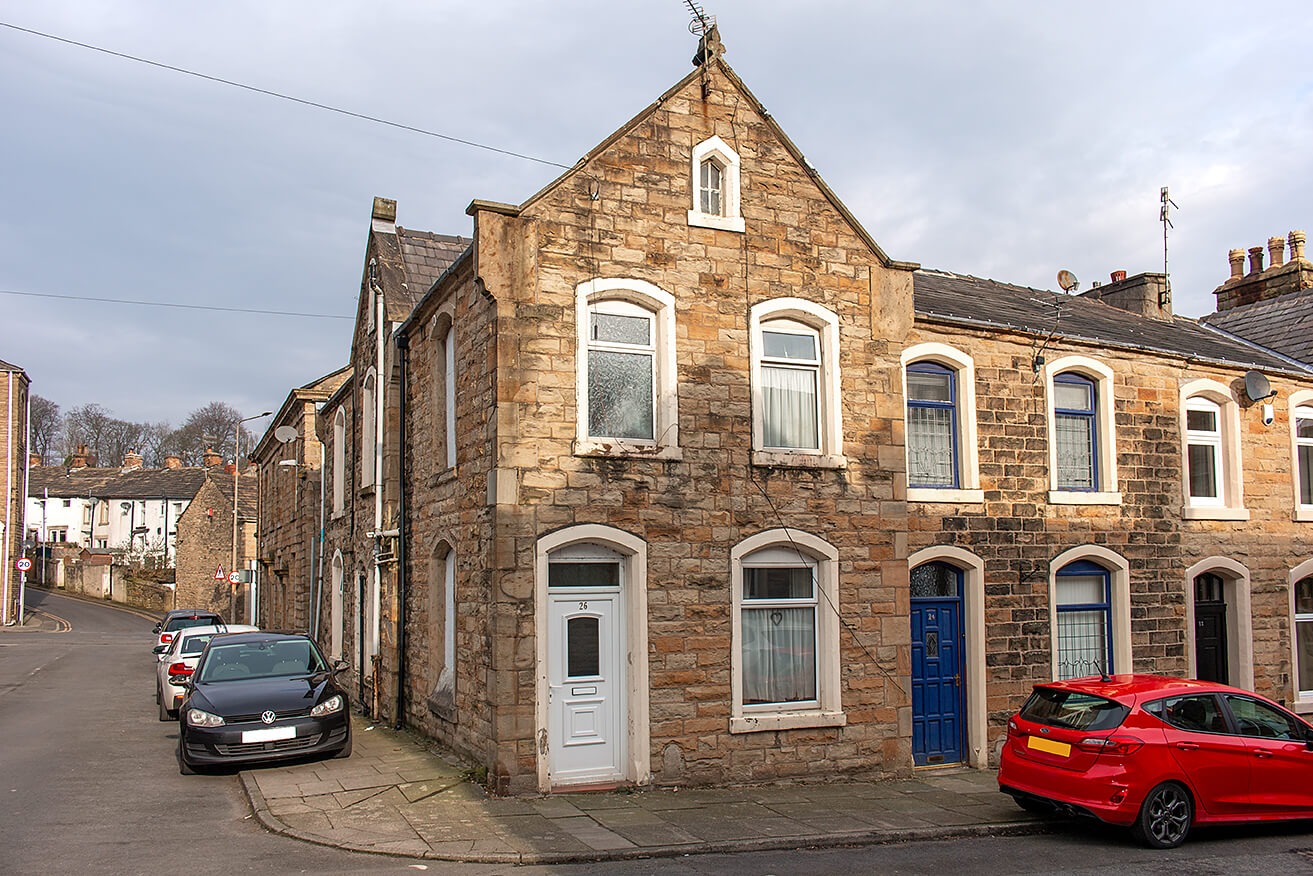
point(193, 645)
point(183, 623)
point(233, 662)
point(1073, 709)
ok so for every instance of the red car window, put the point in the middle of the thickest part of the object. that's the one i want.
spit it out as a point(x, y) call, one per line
point(1073, 709)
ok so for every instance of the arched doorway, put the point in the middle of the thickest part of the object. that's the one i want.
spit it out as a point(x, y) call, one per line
point(938, 671)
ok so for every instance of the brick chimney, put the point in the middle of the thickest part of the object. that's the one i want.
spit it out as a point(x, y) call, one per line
point(173, 461)
point(1282, 275)
point(79, 458)
point(210, 459)
point(1145, 294)
point(132, 459)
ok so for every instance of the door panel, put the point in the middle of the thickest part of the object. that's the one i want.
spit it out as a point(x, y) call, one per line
point(937, 690)
point(585, 688)
point(1281, 764)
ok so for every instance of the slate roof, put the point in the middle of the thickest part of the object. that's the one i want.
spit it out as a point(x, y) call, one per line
point(246, 494)
point(987, 303)
point(115, 483)
point(425, 256)
point(1284, 324)
point(5, 366)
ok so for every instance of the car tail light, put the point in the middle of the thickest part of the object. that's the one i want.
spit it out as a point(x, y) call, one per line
point(180, 669)
point(166, 638)
point(1114, 745)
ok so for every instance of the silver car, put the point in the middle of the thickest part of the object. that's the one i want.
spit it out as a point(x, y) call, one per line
point(178, 661)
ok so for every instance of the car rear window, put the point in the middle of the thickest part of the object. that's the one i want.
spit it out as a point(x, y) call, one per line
point(182, 623)
point(195, 644)
point(1073, 709)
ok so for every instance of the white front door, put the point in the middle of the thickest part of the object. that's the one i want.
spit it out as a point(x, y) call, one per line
point(585, 677)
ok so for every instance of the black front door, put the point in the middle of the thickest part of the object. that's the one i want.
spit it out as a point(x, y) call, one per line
point(1210, 629)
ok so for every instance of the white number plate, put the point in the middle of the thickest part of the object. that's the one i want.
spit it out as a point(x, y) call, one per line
point(269, 734)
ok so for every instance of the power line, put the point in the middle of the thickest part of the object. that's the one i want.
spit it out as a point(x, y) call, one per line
point(268, 93)
point(175, 305)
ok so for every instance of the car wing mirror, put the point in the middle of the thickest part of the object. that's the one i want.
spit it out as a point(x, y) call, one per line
point(340, 665)
point(157, 628)
point(159, 649)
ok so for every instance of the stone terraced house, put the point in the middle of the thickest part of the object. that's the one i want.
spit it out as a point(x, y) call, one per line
point(671, 475)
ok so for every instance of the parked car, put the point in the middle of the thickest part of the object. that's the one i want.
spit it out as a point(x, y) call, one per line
point(1158, 755)
point(261, 697)
point(180, 619)
point(179, 659)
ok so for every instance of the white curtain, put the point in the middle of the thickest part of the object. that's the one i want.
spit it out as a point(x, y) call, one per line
point(789, 408)
point(779, 655)
point(930, 446)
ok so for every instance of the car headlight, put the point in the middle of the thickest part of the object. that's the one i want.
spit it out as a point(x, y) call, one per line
point(328, 706)
point(198, 718)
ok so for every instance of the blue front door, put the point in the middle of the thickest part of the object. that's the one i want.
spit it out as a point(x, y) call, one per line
point(937, 686)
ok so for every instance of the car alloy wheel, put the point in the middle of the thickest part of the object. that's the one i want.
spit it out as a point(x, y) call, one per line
point(1165, 816)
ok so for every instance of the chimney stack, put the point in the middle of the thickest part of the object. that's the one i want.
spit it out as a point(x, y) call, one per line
point(1286, 273)
point(79, 458)
point(173, 461)
point(34, 460)
point(132, 459)
point(210, 459)
point(384, 216)
point(1276, 251)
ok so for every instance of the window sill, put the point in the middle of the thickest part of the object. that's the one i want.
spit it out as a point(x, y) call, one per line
point(1077, 497)
point(1213, 512)
point(1304, 514)
point(710, 220)
point(945, 495)
point(1302, 707)
point(786, 459)
point(786, 721)
point(631, 449)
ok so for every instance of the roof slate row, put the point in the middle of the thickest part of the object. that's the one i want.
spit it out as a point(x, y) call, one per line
point(1285, 324)
point(115, 483)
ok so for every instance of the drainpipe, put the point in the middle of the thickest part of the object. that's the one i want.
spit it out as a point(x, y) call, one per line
point(376, 595)
point(403, 347)
point(319, 570)
point(27, 473)
point(5, 523)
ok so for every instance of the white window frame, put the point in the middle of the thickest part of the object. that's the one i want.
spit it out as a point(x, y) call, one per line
point(1302, 701)
point(829, 420)
point(1105, 431)
point(824, 558)
point(1301, 407)
point(339, 462)
point(665, 414)
point(968, 454)
point(367, 429)
point(449, 393)
point(1119, 598)
point(1230, 504)
point(730, 218)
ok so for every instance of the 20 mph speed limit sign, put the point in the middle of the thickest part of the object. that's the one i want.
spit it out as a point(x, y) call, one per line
point(23, 565)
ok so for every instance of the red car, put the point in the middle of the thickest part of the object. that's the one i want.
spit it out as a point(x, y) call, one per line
point(1157, 755)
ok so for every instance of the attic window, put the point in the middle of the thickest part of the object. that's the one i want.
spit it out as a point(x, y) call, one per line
point(714, 183)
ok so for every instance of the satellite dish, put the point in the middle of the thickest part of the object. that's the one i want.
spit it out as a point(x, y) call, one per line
point(286, 433)
point(1067, 281)
point(1257, 386)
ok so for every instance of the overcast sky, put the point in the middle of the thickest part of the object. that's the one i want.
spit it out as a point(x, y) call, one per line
point(1006, 140)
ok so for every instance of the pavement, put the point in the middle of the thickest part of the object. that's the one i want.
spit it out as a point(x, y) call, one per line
point(397, 796)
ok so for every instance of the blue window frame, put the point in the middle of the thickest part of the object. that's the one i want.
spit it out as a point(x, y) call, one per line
point(931, 426)
point(1084, 607)
point(1076, 432)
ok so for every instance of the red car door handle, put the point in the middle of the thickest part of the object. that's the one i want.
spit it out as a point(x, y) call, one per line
point(1187, 746)
point(1262, 754)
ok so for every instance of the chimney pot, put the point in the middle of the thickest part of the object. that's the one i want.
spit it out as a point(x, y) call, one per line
point(1237, 259)
point(1118, 276)
point(1296, 246)
point(210, 459)
point(132, 459)
point(34, 460)
point(1255, 259)
point(1276, 251)
point(172, 461)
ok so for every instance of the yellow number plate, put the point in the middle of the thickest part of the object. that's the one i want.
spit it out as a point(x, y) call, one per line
point(1052, 746)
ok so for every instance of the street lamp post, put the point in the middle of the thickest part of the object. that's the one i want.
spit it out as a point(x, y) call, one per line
point(237, 474)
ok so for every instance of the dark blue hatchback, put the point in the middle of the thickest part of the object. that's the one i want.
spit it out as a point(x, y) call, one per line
point(258, 697)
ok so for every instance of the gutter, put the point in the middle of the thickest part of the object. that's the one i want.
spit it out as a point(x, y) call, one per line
point(403, 574)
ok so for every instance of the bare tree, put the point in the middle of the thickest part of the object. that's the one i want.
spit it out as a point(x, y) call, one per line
point(212, 426)
point(89, 425)
point(45, 423)
point(154, 443)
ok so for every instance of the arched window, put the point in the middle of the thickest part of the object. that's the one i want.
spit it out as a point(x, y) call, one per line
point(367, 430)
point(339, 461)
point(1210, 430)
point(1082, 433)
point(795, 376)
point(627, 389)
point(786, 651)
point(942, 459)
point(1090, 612)
point(715, 185)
